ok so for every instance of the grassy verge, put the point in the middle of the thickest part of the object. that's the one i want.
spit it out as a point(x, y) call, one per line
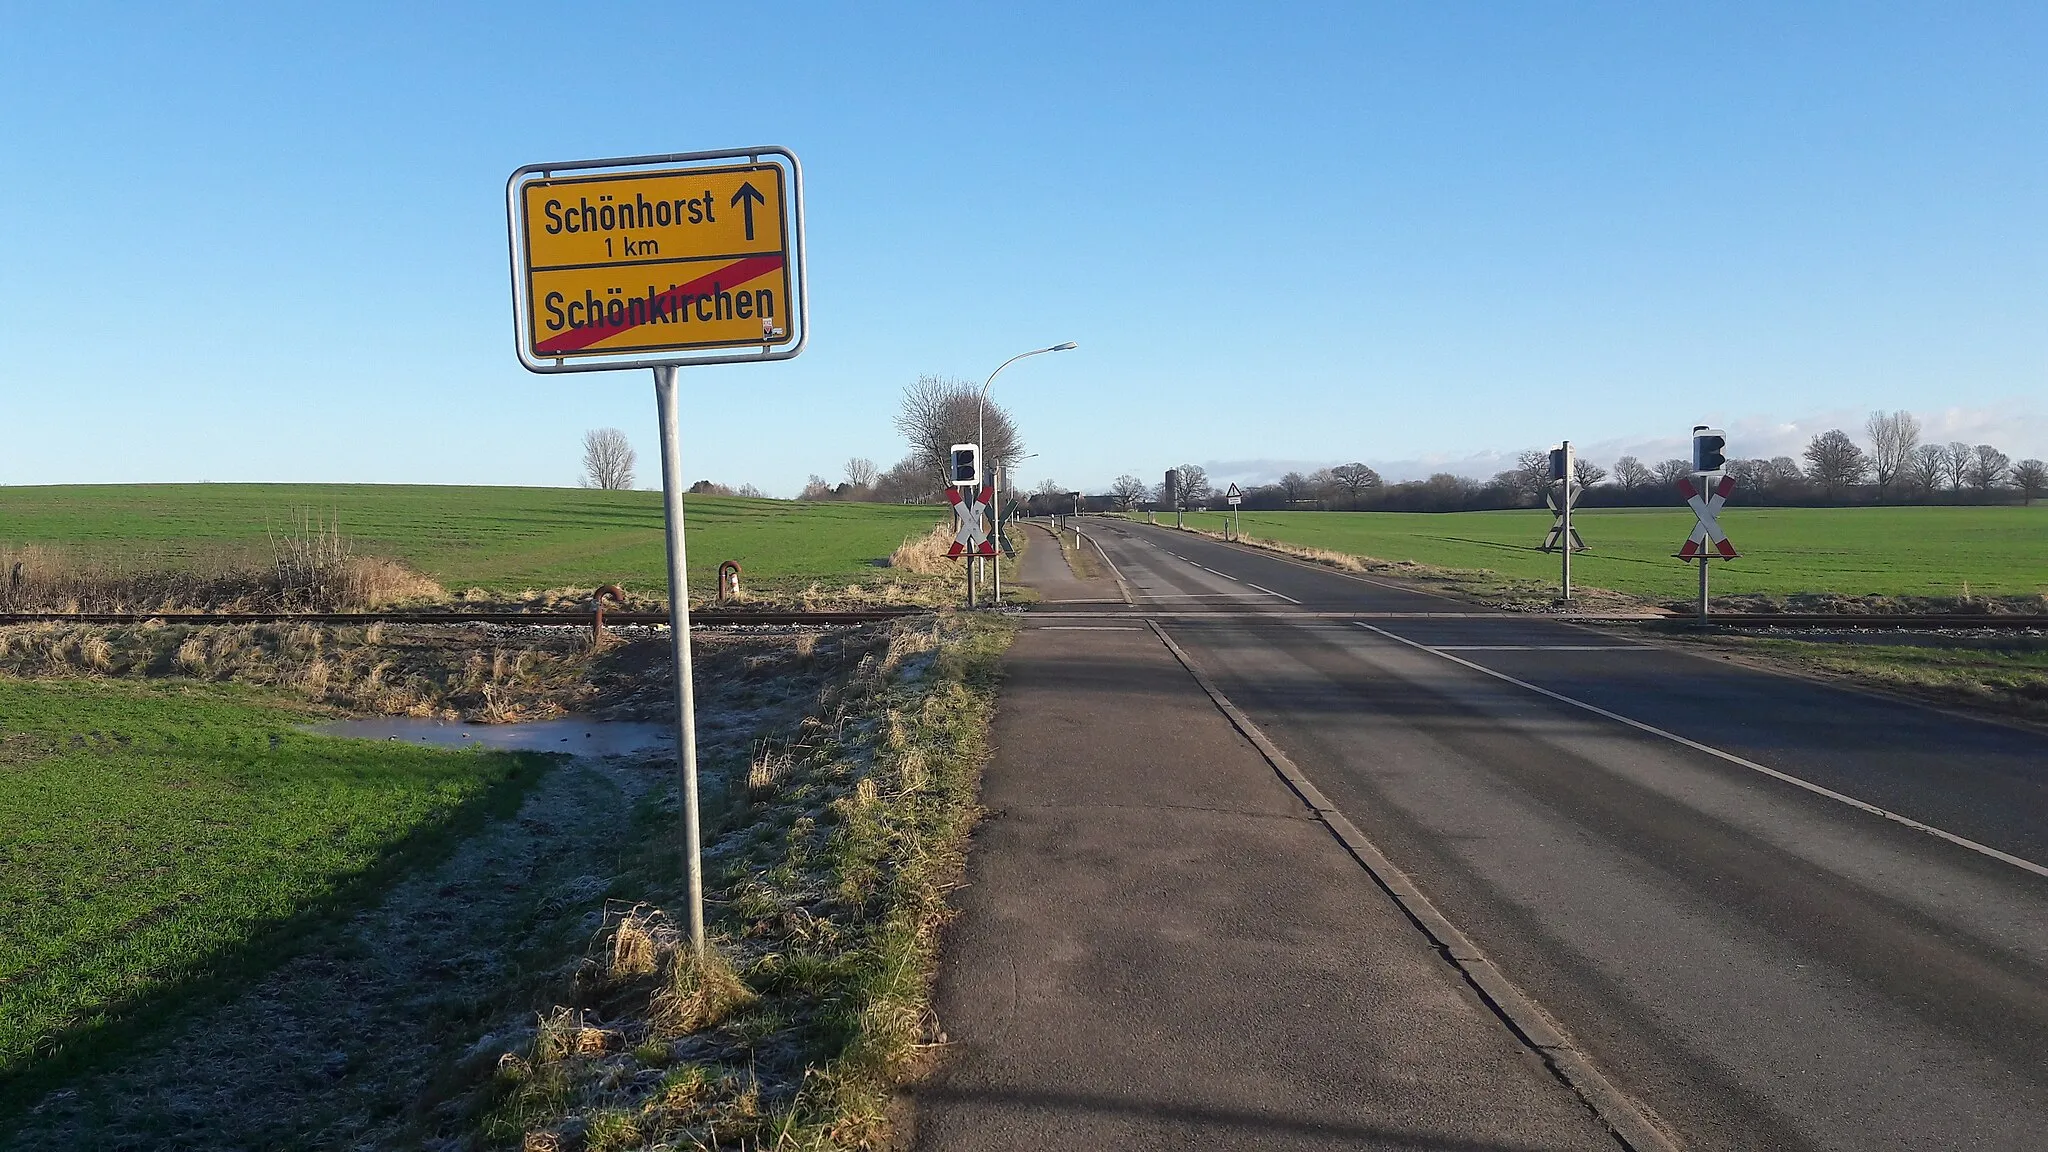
point(159, 838)
point(2006, 676)
point(830, 855)
point(1080, 558)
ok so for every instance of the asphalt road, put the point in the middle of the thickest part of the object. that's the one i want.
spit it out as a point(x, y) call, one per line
point(1665, 850)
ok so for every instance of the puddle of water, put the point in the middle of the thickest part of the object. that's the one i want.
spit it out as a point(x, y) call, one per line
point(581, 737)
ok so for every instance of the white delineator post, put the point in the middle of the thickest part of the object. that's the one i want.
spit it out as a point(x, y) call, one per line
point(679, 643)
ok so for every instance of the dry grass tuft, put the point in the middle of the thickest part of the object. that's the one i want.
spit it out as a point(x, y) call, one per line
point(926, 555)
point(700, 992)
point(313, 570)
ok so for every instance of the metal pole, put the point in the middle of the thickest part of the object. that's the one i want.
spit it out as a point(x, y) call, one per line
point(679, 644)
point(1564, 497)
point(1703, 587)
point(996, 517)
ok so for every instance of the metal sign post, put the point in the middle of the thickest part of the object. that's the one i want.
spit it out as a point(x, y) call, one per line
point(1561, 496)
point(657, 262)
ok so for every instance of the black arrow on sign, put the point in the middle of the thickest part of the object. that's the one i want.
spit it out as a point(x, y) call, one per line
point(748, 196)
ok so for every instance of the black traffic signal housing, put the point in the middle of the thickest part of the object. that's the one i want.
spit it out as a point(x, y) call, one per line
point(1560, 465)
point(967, 465)
point(1709, 449)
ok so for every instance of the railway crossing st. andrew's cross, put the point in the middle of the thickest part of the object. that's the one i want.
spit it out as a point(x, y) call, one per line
point(1706, 508)
point(970, 519)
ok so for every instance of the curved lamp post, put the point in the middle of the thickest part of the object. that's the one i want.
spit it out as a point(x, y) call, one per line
point(979, 403)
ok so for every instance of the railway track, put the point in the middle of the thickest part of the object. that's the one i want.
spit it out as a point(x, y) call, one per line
point(706, 617)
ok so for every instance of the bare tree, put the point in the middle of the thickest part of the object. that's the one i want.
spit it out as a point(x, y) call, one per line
point(1988, 467)
point(906, 482)
point(1669, 472)
point(1355, 479)
point(1295, 485)
point(1834, 461)
point(816, 488)
point(1530, 475)
point(1785, 472)
point(1956, 463)
point(1323, 487)
point(1893, 437)
point(1630, 473)
point(2031, 478)
point(860, 472)
point(1194, 485)
point(1924, 469)
point(1586, 472)
point(607, 459)
point(1128, 490)
point(938, 412)
point(751, 492)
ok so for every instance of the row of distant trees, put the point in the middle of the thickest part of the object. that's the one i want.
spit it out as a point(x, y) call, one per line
point(1890, 466)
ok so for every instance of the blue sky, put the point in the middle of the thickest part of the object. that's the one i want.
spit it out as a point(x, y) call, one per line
point(267, 242)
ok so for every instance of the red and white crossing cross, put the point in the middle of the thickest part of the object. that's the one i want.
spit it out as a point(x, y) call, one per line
point(970, 511)
point(1707, 507)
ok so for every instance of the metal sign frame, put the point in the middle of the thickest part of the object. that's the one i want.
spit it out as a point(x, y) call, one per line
point(783, 348)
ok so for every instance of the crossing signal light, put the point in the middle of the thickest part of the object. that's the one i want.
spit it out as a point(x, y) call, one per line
point(1560, 464)
point(967, 465)
point(1709, 449)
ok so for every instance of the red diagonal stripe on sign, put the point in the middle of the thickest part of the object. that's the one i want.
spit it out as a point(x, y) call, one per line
point(725, 276)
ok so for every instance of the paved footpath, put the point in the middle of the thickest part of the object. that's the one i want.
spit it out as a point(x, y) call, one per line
point(1160, 947)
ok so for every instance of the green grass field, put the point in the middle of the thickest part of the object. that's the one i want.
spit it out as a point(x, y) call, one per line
point(498, 539)
point(154, 835)
point(1847, 551)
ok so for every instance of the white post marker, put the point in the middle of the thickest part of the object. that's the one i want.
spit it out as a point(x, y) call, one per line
point(657, 262)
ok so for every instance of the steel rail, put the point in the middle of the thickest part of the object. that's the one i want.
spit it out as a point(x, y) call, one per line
point(548, 617)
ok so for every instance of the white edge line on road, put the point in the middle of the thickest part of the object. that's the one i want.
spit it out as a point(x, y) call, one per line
point(1270, 592)
point(1088, 627)
point(1786, 777)
point(1543, 648)
point(1628, 1120)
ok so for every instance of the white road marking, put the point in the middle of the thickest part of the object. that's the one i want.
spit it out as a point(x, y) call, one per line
point(1270, 592)
point(1212, 571)
point(1786, 777)
point(1088, 628)
point(1542, 648)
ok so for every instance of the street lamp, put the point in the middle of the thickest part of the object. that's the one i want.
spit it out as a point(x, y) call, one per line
point(996, 512)
point(978, 404)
